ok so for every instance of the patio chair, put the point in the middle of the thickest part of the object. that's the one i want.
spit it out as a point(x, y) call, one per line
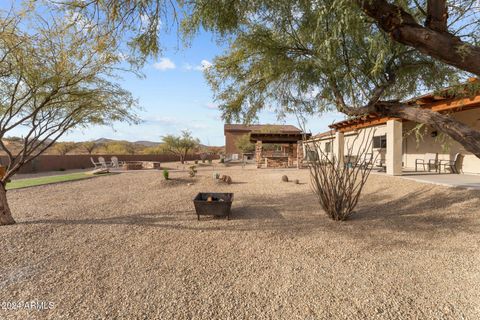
point(102, 162)
point(429, 161)
point(450, 164)
point(365, 160)
point(97, 165)
point(115, 163)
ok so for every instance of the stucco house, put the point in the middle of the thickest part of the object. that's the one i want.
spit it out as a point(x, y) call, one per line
point(396, 144)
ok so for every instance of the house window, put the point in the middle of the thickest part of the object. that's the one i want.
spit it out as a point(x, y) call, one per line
point(312, 155)
point(380, 142)
point(328, 147)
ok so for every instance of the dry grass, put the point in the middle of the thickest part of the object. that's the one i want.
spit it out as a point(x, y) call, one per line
point(129, 246)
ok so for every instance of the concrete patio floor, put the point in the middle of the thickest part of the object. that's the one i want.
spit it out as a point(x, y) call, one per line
point(469, 181)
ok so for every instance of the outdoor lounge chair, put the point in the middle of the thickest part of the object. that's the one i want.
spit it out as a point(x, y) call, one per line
point(429, 162)
point(452, 165)
point(97, 165)
point(102, 162)
point(115, 163)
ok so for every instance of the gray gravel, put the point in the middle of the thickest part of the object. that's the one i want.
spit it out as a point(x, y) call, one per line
point(129, 246)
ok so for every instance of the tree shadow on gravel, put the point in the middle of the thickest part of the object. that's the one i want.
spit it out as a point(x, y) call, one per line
point(381, 218)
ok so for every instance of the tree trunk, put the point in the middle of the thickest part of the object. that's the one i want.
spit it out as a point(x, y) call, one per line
point(468, 137)
point(5, 214)
point(433, 40)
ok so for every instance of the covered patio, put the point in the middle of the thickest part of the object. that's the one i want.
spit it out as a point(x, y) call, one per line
point(399, 150)
point(288, 155)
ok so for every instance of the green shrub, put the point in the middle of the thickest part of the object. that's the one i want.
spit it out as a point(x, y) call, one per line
point(196, 161)
point(192, 171)
point(165, 174)
point(222, 160)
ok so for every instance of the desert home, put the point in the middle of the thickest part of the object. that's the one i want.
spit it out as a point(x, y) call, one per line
point(398, 145)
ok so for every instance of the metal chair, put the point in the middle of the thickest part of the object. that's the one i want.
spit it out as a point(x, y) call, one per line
point(450, 164)
point(430, 161)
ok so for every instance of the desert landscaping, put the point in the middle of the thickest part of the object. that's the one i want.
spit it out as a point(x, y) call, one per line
point(130, 244)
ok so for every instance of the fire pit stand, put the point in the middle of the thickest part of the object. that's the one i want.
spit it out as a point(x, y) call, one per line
point(213, 203)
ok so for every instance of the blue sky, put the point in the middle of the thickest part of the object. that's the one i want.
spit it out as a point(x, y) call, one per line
point(174, 96)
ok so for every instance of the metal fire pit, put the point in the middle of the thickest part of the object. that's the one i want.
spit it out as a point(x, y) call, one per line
point(219, 205)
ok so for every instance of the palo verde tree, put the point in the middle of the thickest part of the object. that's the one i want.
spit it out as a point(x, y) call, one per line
point(89, 146)
point(53, 78)
point(180, 145)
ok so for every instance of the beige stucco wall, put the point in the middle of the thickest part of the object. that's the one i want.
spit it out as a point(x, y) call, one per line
point(415, 148)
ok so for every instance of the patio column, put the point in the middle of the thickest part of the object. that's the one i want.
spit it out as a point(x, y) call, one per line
point(300, 154)
point(339, 147)
point(394, 148)
point(258, 153)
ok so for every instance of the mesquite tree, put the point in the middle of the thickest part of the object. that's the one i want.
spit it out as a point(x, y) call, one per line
point(53, 78)
point(329, 55)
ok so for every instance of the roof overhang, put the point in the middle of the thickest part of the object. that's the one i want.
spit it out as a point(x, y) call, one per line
point(278, 137)
point(434, 103)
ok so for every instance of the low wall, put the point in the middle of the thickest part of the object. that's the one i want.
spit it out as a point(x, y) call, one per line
point(82, 161)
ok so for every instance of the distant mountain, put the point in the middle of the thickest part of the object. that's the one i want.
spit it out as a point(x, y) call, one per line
point(104, 140)
point(143, 143)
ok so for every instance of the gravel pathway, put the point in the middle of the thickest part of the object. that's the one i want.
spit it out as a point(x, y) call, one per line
point(129, 246)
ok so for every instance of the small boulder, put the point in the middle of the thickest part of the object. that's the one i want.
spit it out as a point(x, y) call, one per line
point(226, 179)
point(284, 178)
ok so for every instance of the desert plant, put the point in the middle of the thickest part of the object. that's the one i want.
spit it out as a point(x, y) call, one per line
point(196, 161)
point(222, 160)
point(165, 174)
point(338, 184)
point(209, 161)
point(284, 178)
point(192, 171)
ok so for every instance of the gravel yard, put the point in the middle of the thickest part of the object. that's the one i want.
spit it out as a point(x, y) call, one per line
point(129, 246)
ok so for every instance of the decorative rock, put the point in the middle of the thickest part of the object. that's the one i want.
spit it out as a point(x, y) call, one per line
point(226, 179)
point(284, 178)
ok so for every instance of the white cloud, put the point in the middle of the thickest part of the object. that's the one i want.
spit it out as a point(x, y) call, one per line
point(204, 65)
point(164, 64)
point(211, 106)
